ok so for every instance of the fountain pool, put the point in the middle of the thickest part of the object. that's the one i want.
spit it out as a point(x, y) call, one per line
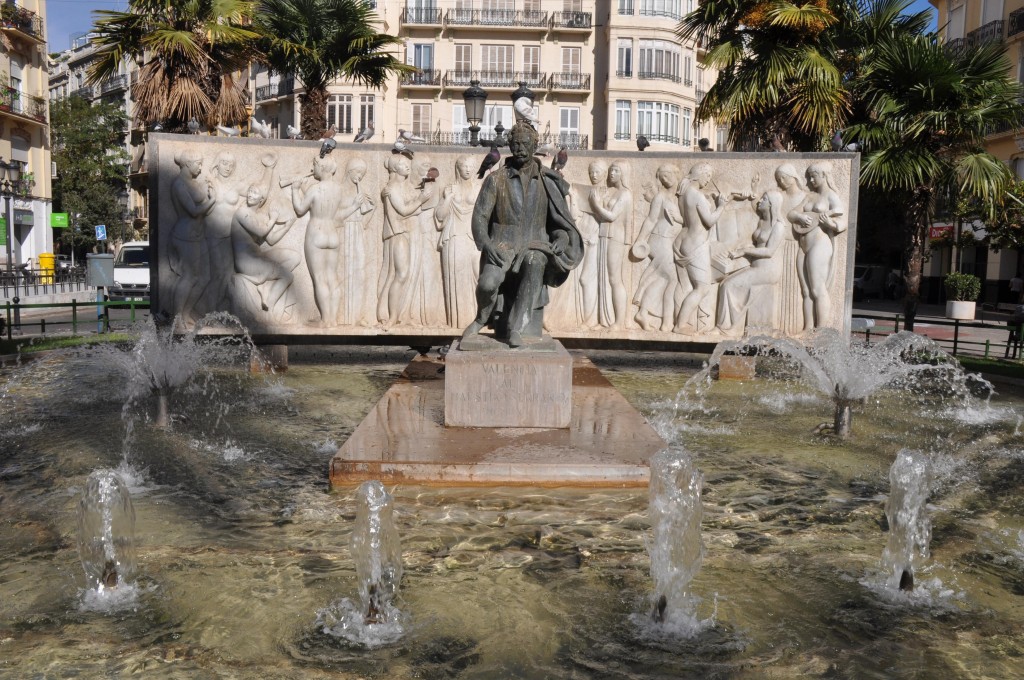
point(239, 543)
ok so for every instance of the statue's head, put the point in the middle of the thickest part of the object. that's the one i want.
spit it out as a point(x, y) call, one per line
point(256, 196)
point(701, 173)
point(355, 170)
point(522, 141)
point(324, 167)
point(190, 159)
point(464, 167)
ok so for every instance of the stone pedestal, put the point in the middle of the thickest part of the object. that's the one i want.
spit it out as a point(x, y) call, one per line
point(504, 387)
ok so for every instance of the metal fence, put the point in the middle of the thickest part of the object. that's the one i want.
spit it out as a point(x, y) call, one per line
point(22, 282)
point(973, 338)
point(67, 317)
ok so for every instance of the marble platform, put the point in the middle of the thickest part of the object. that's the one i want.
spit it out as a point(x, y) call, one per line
point(404, 440)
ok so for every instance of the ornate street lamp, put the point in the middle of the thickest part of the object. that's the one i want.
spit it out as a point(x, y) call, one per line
point(10, 185)
point(475, 98)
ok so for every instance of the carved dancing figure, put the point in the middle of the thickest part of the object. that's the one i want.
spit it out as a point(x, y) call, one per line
point(816, 223)
point(322, 200)
point(188, 259)
point(791, 288)
point(585, 277)
point(615, 213)
point(735, 294)
point(426, 288)
point(253, 235)
point(401, 202)
point(356, 206)
point(658, 288)
point(460, 260)
point(528, 241)
point(692, 248)
point(227, 199)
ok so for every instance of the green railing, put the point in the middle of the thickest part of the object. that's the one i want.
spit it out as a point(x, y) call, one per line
point(94, 312)
point(1012, 347)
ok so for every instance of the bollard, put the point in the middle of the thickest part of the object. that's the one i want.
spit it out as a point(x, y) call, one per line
point(987, 342)
point(956, 334)
point(74, 317)
point(42, 326)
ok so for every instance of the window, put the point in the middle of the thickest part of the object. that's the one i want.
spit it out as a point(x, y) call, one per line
point(722, 139)
point(423, 56)
point(497, 58)
point(661, 8)
point(497, 11)
point(687, 115)
point(463, 58)
point(339, 112)
point(571, 59)
point(955, 27)
point(623, 118)
point(659, 59)
point(658, 121)
point(366, 110)
point(459, 122)
point(569, 121)
point(572, 5)
point(531, 59)
point(624, 67)
point(688, 69)
point(421, 120)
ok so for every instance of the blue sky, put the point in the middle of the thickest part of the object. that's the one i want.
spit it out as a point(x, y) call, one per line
point(66, 17)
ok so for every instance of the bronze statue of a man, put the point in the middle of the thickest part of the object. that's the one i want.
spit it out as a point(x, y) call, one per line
point(527, 241)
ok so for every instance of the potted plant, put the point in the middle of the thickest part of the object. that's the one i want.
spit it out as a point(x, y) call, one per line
point(962, 291)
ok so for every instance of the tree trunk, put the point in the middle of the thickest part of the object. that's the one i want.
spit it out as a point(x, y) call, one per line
point(314, 112)
point(913, 251)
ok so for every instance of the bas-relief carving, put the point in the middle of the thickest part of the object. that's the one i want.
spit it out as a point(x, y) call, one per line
point(715, 253)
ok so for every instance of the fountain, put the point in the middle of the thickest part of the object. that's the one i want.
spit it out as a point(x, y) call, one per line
point(106, 534)
point(910, 529)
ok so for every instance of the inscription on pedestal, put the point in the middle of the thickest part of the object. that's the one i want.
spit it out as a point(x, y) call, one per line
point(508, 388)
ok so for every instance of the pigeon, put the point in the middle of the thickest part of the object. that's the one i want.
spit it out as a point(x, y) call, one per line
point(327, 146)
point(193, 125)
point(366, 133)
point(545, 149)
point(407, 136)
point(641, 142)
point(490, 160)
point(259, 129)
point(524, 110)
point(432, 175)
point(561, 158)
point(330, 132)
point(157, 127)
point(293, 132)
point(233, 131)
point(852, 146)
point(704, 144)
point(777, 143)
point(837, 142)
point(402, 148)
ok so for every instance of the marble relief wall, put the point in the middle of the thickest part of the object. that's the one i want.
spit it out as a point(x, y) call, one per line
point(365, 241)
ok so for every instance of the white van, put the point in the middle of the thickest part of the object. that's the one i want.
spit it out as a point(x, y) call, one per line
point(131, 273)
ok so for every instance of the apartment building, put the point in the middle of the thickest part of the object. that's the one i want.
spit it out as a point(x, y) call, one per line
point(24, 132)
point(975, 22)
point(602, 72)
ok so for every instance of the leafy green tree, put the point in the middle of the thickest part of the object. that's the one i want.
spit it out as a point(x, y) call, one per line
point(1006, 228)
point(190, 52)
point(88, 150)
point(320, 41)
point(929, 108)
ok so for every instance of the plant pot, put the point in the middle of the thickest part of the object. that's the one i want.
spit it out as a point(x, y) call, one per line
point(960, 309)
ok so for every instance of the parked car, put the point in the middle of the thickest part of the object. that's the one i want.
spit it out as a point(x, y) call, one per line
point(869, 281)
point(63, 262)
point(131, 273)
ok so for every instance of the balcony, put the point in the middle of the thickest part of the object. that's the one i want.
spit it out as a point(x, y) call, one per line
point(700, 95)
point(623, 136)
point(23, 104)
point(569, 81)
point(573, 141)
point(625, 8)
point(657, 75)
point(651, 137)
point(624, 74)
point(86, 92)
point(570, 140)
point(572, 20)
point(497, 17)
point(114, 84)
point(495, 79)
point(1015, 24)
point(650, 12)
point(990, 32)
point(421, 16)
point(283, 88)
point(423, 78)
point(22, 20)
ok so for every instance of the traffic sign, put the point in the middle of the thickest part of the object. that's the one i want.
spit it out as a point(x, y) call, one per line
point(101, 232)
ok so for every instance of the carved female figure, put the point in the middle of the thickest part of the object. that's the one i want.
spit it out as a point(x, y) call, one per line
point(791, 288)
point(227, 199)
point(356, 205)
point(460, 259)
point(191, 199)
point(322, 201)
point(424, 308)
point(735, 292)
point(816, 224)
point(615, 213)
point(587, 276)
point(401, 202)
point(659, 287)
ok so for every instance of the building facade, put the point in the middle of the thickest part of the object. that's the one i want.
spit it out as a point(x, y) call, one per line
point(24, 130)
point(602, 72)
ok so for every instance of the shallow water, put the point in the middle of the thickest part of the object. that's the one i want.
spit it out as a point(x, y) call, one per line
point(240, 542)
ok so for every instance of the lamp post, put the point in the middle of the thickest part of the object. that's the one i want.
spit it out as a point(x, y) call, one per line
point(475, 98)
point(10, 183)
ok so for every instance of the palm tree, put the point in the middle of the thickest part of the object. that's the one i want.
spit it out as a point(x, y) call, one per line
point(190, 53)
point(929, 108)
point(320, 40)
point(786, 68)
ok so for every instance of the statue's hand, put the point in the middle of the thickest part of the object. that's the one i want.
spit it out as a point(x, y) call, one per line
point(495, 255)
point(560, 243)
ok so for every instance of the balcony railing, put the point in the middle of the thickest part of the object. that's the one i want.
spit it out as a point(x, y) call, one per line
point(657, 75)
point(23, 20)
point(426, 78)
point(625, 8)
point(700, 95)
point(569, 81)
point(651, 137)
point(623, 135)
point(282, 88)
point(572, 20)
point(956, 44)
point(571, 141)
point(424, 16)
point(23, 104)
point(509, 79)
point(86, 92)
point(114, 83)
point(650, 12)
point(1015, 24)
point(624, 74)
point(990, 32)
point(497, 17)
